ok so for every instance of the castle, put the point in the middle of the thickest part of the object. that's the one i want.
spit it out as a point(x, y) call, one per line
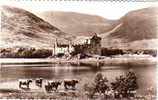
point(90, 46)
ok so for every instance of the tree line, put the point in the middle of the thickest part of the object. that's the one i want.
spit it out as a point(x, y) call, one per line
point(111, 52)
point(124, 86)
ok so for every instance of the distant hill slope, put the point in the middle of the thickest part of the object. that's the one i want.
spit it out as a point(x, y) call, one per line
point(138, 25)
point(144, 44)
point(78, 24)
point(20, 27)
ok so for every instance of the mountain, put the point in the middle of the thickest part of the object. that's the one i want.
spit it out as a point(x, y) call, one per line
point(22, 31)
point(78, 24)
point(137, 29)
point(138, 25)
point(22, 28)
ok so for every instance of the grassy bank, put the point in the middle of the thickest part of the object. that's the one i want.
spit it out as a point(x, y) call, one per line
point(68, 96)
point(5, 90)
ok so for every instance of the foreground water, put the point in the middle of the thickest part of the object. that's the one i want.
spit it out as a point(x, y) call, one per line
point(10, 74)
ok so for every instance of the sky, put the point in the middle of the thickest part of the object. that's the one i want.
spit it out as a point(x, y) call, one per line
point(109, 10)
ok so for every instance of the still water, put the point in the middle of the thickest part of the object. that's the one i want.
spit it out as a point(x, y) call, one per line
point(146, 74)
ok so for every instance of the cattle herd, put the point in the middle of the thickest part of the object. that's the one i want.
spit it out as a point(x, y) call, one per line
point(51, 85)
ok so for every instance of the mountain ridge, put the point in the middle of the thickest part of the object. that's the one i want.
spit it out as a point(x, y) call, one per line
point(19, 26)
point(138, 25)
point(78, 23)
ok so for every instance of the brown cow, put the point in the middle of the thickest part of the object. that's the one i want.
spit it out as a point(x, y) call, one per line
point(52, 85)
point(70, 83)
point(25, 82)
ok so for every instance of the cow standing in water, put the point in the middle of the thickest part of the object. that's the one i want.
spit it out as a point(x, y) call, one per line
point(55, 84)
point(39, 82)
point(70, 83)
point(25, 82)
point(52, 85)
point(48, 87)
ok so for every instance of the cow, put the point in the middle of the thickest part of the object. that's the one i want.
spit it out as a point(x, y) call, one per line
point(55, 84)
point(39, 82)
point(25, 82)
point(48, 87)
point(70, 83)
point(52, 85)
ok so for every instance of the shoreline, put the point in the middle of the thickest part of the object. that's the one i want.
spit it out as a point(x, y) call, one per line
point(87, 61)
point(75, 95)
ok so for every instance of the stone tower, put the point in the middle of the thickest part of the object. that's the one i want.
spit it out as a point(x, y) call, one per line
point(95, 45)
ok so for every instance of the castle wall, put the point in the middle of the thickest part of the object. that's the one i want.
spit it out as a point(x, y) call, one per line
point(91, 47)
point(62, 50)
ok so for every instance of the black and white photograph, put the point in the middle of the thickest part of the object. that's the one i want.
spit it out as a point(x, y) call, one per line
point(78, 50)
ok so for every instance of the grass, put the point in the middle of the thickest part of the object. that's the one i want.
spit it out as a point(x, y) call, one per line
point(40, 95)
point(4, 90)
point(69, 95)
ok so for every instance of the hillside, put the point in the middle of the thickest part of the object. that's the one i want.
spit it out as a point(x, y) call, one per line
point(137, 29)
point(77, 23)
point(22, 28)
point(143, 44)
point(138, 25)
point(24, 34)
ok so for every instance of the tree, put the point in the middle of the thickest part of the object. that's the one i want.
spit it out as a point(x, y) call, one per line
point(125, 85)
point(99, 85)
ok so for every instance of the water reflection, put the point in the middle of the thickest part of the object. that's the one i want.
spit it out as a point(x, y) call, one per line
point(146, 74)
